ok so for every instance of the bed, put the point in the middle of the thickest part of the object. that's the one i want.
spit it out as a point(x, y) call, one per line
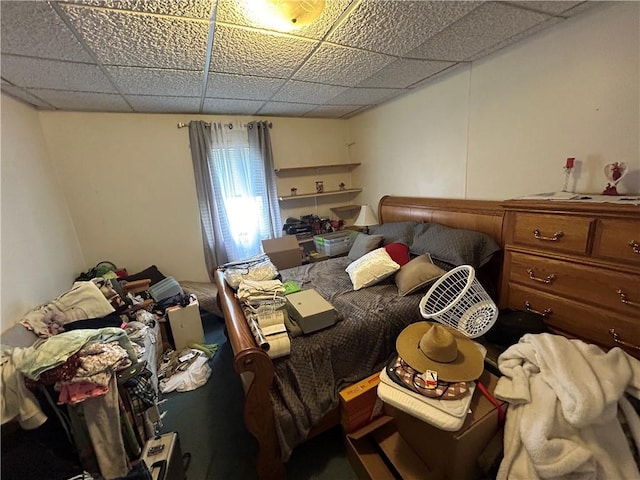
point(296, 397)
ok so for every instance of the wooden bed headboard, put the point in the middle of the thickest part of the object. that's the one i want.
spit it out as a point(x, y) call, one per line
point(485, 216)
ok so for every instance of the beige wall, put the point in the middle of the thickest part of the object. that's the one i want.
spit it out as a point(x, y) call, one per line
point(495, 129)
point(40, 251)
point(130, 185)
point(503, 127)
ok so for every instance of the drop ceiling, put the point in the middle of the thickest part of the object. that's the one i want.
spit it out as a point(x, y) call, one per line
point(204, 56)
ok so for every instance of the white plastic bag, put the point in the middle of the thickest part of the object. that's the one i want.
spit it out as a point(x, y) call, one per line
point(193, 377)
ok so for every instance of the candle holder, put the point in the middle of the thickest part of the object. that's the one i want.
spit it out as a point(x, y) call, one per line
point(568, 167)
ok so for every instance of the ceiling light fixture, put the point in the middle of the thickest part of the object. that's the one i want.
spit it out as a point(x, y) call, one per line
point(285, 15)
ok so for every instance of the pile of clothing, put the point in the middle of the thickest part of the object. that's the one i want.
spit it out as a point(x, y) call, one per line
point(81, 366)
point(570, 406)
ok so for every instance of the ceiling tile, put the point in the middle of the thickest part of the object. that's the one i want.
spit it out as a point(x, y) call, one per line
point(178, 8)
point(82, 101)
point(249, 52)
point(484, 27)
point(364, 96)
point(359, 54)
point(221, 85)
point(337, 65)
point(404, 73)
point(551, 7)
point(536, 28)
point(332, 111)
point(305, 92)
point(231, 107)
point(132, 39)
point(53, 74)
point(20, 94)
point(396, 27)
point(286, 109)
point(34, 29)
point(453, 68)
point(165, 103)
point(237, 12)
point(153, 81)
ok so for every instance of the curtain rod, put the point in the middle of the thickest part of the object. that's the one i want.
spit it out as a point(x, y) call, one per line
point(230, 125)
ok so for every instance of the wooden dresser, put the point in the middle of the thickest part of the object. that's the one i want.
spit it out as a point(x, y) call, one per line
point(578, 264)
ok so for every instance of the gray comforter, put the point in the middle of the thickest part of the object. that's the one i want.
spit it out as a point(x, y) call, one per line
point(307, 382)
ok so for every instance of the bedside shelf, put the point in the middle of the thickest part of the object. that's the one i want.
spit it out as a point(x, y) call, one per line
point(323, 194)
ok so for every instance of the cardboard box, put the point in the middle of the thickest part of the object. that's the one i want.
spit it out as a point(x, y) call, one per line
point(378, 452)
point(454, 453)
point(359, 403)
point(284, 252)
point(185, 325)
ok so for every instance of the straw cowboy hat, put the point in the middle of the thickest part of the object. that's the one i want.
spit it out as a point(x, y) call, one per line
point(432, 346)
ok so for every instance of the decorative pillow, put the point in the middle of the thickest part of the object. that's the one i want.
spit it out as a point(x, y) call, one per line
point(398, 252)
point(371, 268)
point(364, 244)
point(393, 232)
point(418, 244)
point(417, 274)
point(454, 246)
point(152, 273)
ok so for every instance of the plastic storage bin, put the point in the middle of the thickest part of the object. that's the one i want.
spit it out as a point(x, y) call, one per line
point(336, 243)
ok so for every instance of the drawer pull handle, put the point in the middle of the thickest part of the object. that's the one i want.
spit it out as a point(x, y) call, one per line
point(545, 313)
point(635, 246)
point(613, 333)
point(555, 238)
point(623, 299)
point(550, 278)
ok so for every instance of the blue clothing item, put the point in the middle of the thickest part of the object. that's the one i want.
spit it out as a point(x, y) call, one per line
point(54, 351)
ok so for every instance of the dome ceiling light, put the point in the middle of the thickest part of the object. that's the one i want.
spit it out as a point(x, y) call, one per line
point(286, 15)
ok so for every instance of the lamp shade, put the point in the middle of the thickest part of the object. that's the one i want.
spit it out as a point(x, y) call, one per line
point(366, 217)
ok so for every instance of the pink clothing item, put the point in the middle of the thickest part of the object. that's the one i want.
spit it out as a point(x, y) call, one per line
point(77, 392)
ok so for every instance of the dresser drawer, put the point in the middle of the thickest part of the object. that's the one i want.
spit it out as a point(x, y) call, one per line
point(618, 240)
point(598, 286)
point(577, 318)
point(563, 233)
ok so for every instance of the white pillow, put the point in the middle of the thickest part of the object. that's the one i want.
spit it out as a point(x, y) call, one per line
point(371, 268)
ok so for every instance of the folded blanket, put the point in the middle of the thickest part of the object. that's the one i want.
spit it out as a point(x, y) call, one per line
point(564, 397)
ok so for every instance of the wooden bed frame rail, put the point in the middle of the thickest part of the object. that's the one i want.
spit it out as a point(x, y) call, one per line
point(255, 367)
point(256, 372)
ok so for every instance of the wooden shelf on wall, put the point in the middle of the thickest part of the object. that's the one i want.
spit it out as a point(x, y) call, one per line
point(346, 210)
point(298, 170)
point(323, 194)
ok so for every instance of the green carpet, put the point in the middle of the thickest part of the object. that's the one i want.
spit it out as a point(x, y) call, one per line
point(209, 423)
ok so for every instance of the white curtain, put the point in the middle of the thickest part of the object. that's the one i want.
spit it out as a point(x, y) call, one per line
point(240, 190)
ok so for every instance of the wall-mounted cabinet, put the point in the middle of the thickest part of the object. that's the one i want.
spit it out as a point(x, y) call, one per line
point(335, 179)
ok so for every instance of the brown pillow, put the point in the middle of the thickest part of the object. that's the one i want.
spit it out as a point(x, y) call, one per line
point(418, 273)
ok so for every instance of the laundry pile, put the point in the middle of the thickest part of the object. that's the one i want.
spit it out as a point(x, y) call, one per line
point(94, 361)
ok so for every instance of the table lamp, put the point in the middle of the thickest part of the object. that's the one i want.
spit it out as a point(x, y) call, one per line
point(365, 218)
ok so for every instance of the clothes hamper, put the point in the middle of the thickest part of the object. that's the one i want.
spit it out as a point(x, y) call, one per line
point(163, 457)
